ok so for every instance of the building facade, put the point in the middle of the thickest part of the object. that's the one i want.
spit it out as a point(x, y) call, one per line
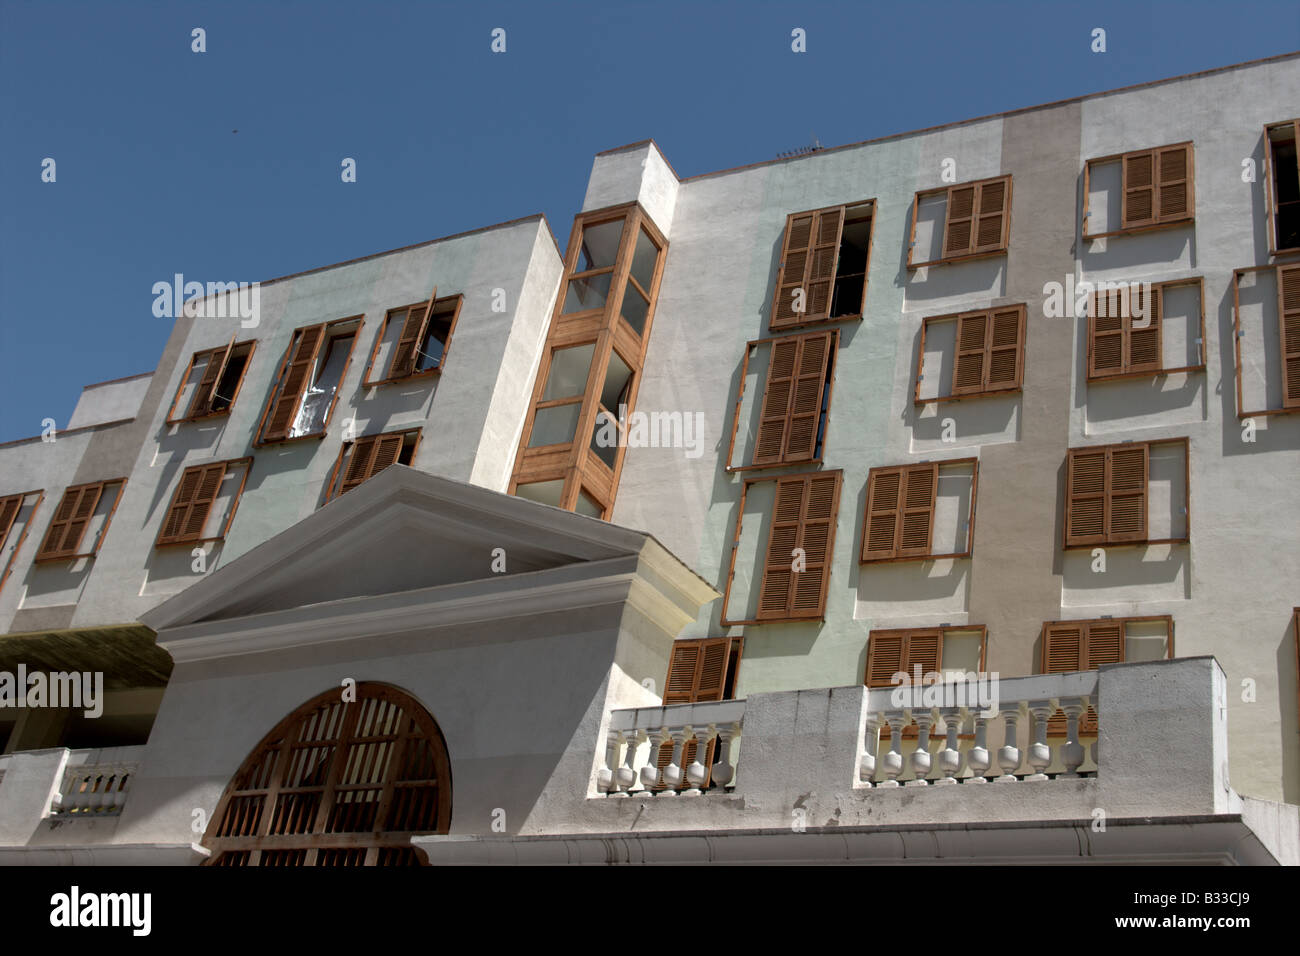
point(1003, 406)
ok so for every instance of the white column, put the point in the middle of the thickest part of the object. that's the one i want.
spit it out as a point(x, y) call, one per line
point(950, 755)
point(697, 773)
point(1009, 753)
point(723, 769)
point(893, 761)
point(922, 761)
point(1072, 752)
point(674, 775)
point(650, 772)
point(625, 776)
point(605, 775)
point(978, 756)
point(1040, 754)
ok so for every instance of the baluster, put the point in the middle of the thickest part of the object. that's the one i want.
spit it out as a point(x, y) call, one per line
point(978, 756)
point(950, 755)
point(1009, 753)
point(625, 776)
point(893, 761)
point(724, 769)
point(1072, 752)
point(674, 775)
point(697, 773)
point(1040, 754)
point(605, 775)
point(922, 761)
point(870, 743)
point(650, 772)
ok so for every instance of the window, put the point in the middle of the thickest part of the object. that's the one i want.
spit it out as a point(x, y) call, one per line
point(1109, 499)
point(1086, 645)
point(824, 258)
point(1282, 180)
point(306, 388)
point(1146, 329)
point(16, 513)
point(82, 508)
point(1266, 310)
point(926, 655)
point(593, 273)
point(976, 221)
point(699, 671)
point(1137, 191)
point(366, 457)
point(211, 382)
point(555, 420)
point(970, 354)
point(204, 503)
point(923, 511)
point(413, 341)
point(788, 424)
point(796, 563)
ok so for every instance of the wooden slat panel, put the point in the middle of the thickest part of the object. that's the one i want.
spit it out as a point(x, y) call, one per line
point(1006, 349)
point(809, 388)
point(1085, 492)
point(1126, 491)
point(1174, 190)
point(774, 414)
point(972, 346)
point(1106, 335)
point(919, 491)
point(959, 221)
point(884, 657)
point(884, 501)
point(795, 257)
point(294, 378)
point(991, 220)
point(822, 261)
point(1138, 175)
point(1144, 344)
point(783, 537)
point(1288, 313)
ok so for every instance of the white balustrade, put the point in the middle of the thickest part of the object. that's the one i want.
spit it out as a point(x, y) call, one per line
point(637, 736)
point(98, 790)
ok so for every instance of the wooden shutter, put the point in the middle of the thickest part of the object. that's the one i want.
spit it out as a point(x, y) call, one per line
point(809, 258)
point(900, 511)
point(1085, 496)
point(294, 381)
point(414, 328)
point(991, 221)
point(70, 521)
point(683, 666)
point(697, 671)
point(187, 515)
point(370, 456)
point(1105, 335)
point(972, 346)
point(1006, 356)
point(990, 351)
point(1173, 165)
point(9, 508)
point(792, 399)
point(1138, 180)
point(1143, 344)
point(201, 403)
point(803, 517)
point(885, 654)
point(1288, 321)
point(959, 221)
point(1157, 185)
point(1127, 468)
point(1080, 646)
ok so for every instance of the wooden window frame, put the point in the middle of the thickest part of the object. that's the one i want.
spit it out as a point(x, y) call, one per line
point(1123, 623)
point(985, 390)
point(1270, 196)
point(760, 564)
point(862, 208)
point(431, 305)
point(1237, 336)
point(829, 394)
point(1295, 634)
point(730, 669)
point(162, 541)
point(1158, 290)
point(326, 334)
point(928, 556)
point(6, 529)
point(906, 633)
point(1170, 223)
point(229, 349)
point(333, 488)
point(72, 554)
point(948, 192)
point(1105, 541)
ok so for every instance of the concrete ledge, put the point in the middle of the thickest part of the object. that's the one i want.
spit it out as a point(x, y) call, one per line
point(111, 854)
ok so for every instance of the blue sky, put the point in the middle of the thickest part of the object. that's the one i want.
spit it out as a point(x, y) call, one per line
point(152, 179)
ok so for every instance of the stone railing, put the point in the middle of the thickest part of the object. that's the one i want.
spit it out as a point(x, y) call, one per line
point(637, 736)
point(931, 741)
point(95, 782)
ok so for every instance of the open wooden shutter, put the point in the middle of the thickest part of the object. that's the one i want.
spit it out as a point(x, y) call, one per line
point(795, 256)
point(782, 539)
point(885, 652)
point(1085, 496)
point(959, 221)
point(792, 399)
point(1106, 335)
point(991, 220)
point(921, 484)
point(1063, 651)
point(70, 521)
point(679, 688)
point(1174, 183)
point(972, 347)
point(774, 416)
point(804, 517)
point(201, 404)
point(370, 456)
point(1006, 357)
point(414, 328)
point(1288, 321)
point(822, 263)
point(294, 381)
point(816, 535)
point(1127, 470)
point(9, 507)
point(1138, 178)
point(187, 515)
point(697, 671)
point(900, 511)
point(880, 536)
point(1143, 345)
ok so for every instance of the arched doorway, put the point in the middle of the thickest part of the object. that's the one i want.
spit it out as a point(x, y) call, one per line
point(337, 784)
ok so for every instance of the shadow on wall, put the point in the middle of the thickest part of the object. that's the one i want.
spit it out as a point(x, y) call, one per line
point(1288, 667)
point(1141, 253)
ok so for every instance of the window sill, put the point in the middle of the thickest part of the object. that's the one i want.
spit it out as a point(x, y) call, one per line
point(263, 443)
point(993, 393)
point(413, 377)
point(187, 543)
point(946, 260)
point(1154, 373)
point(1139, 543)
point(1138, 230)
point(224, 413)
point(915, 557)
point(53, 558)
point(783, 327)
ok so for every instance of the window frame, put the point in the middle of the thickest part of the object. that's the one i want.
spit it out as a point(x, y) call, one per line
point(1105, 541)
point(432, 304)
point(1276, 268)
point(1122, 621)
point(181, 540)
point(936, 465)
point(985, 390)
point(862, 209)
point(1004, 244)
point(5, 531)
point(43, 556)
point(273, 396)
point(906, 633)
point(1127, 330)
point(1173, 223)
point(334, 487)
point(1270, 194)
point(229, 349)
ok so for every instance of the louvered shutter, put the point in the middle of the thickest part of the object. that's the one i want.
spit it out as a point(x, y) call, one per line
point(992, 220)
point(803, 517)
point(920, 488)
point(70, 521)
point(884, 658)
point(879, 539)
point(1127, 469)
point(795, 256)
point(816, 535)
point(1138, 177)
point(174, 522)
point(924, 649)
point(680, 685)
point(806, 402)
point(1106, 334)
point(1063, 650)
point(1144, 348)
point(80, 519)
point(822, 263)
point(775, 412)
point(209, 484)
point(369, 457)
point(1085, 493)
point(294, 378)
point(414, 328)
point(972, 342)
point(1174, 183)
point(697, 671)
point(9, 507)
point(1288, 314)
point(1006, 349)
point(959, 221)
point(782, 539)
point(201, 403)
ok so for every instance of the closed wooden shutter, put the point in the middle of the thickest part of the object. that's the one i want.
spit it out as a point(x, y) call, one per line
point(958, 221)
point(294, 381)
point(990, 351)
point(370, 456)
point(792, 399)
point(187, 515)
point(1106, 335)
point(1143, 345)
point(809, 258)
point(9, 507)
point(1288, 321)
point(1085, 493)
point(1138, 179)
point(697, 671)
point(70, 521)
point(900, 511)
point(1106, 494)
point(976, 217)
point(803, 517)
point(201, 403)
point(886, 652)
point(1157, 186)
point(992, 220)
point(1080, 646)
point(1174, 183)
point(972, 348)
point(1127, 468)
point(1006, 356)
point(414, 328)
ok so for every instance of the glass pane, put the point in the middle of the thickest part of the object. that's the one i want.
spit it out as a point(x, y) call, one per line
point(547, 492)
point(644, 257)
point(604, 438)
point(316, 400)
point(635, 309)
point(587, 505)
point(568, 374)
point(555, 425)
point(618, 383)
point(599, 246)
point(589, 293)
point(434, 344)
